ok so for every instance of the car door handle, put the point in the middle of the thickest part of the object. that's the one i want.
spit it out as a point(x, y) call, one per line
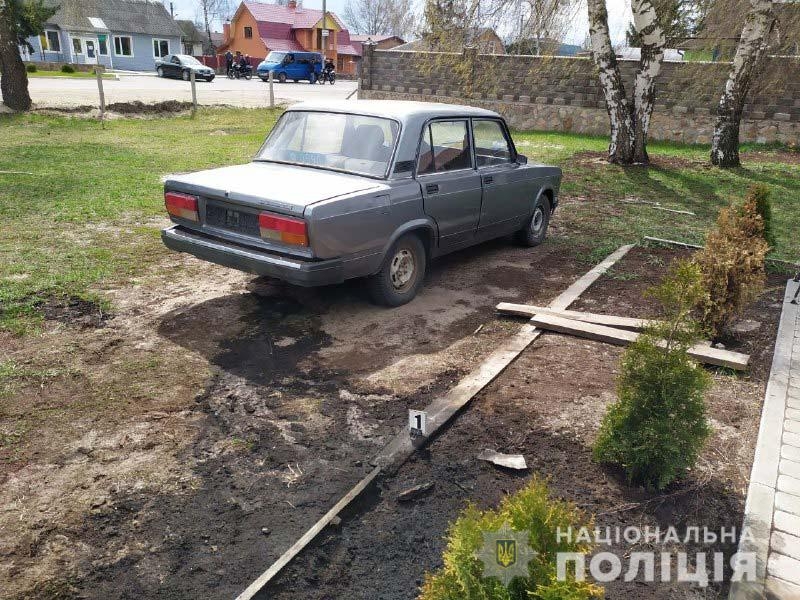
point(432, 188)
point(488, 179)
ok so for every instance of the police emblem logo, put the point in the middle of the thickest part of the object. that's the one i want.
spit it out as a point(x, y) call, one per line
point(506, 552)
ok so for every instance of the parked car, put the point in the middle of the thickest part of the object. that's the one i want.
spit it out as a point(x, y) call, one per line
point(365, 188)
point(291, 65)
point(181, 65)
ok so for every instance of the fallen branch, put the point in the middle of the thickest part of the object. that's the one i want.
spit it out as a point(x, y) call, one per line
point(656, 240)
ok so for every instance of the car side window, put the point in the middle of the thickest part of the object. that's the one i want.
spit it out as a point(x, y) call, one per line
point(445, 147)
point(175, 60)
point(491, 145)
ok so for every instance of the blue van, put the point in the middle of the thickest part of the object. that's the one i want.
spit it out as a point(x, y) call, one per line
point(291, 65)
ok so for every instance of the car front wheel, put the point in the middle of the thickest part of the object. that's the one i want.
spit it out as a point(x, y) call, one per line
point(160, 72)
point(535, 230)
point(401, 274)
point(186, 75)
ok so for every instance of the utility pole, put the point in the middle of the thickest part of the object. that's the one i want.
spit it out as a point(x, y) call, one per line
point(324, 30)
point(171, 10)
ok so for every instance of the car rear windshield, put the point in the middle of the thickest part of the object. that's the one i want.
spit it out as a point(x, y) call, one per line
point(357, 144)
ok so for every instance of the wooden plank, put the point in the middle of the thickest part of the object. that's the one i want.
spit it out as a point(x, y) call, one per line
point(622, 337)
point(309, 535)
point(528, 310)
point(440, 411)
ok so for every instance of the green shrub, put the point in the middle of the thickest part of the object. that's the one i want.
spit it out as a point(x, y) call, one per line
point(530, 510)
point(67, 69)
point(732, 261)
point(759, 193)
point(657, 428)
point(31, 68)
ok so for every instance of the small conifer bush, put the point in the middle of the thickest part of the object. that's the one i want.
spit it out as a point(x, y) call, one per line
point(657, 427)
point(67, 69)
point(530, 510)
point(31, 68)
point(732, 262)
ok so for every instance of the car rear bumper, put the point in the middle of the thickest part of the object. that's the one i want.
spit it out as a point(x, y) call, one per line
point(299, 272)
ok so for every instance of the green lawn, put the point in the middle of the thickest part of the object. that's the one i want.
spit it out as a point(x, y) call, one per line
point(78, 201)
point(78, 74)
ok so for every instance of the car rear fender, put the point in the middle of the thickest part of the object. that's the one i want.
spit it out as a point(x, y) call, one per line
point(425, 228)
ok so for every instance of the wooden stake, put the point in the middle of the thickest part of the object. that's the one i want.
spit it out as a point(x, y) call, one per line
point(99, 74)
point(194, 92)
point(271, 91)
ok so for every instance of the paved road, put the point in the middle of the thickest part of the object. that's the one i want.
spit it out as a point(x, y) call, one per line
point(50, 92)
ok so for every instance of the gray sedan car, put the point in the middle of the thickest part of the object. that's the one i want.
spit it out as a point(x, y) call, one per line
point(366, 188)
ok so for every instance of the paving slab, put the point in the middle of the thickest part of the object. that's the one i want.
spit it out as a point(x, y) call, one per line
point(772, 511)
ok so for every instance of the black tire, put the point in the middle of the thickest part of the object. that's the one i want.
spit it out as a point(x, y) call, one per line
point(160, 72)
point(535, 230)
point(209, 79)
point(186, 76)
point(388, 286)
point(248, 76)
point(282, 77)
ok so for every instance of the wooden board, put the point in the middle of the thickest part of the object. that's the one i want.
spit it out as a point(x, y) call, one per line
point(622, 337)
point(439, 412)
point(528, 310)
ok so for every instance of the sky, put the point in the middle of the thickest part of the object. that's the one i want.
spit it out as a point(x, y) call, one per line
point(619, 15)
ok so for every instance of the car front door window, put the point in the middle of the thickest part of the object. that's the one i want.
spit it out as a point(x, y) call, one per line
point(451, 188)
point(491, 145)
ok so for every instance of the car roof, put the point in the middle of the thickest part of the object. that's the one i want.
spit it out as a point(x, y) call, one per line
point(402, 110)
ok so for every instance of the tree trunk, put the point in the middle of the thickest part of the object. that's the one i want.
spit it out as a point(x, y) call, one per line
point(749, 52)
point(207, 23)
point(620, 150)
point(14, 81)
point(652, 39)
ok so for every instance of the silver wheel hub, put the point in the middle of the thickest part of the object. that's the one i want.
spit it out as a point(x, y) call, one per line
point(402, 269)
point(537, 222)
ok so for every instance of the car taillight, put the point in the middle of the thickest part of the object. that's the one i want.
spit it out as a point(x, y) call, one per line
point(283, 229)
point(182, 206)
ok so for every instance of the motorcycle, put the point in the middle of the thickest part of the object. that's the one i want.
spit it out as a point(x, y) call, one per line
point(238, 71)
point(327, 75)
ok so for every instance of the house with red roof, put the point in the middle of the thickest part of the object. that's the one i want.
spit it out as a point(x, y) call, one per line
point(258, 28)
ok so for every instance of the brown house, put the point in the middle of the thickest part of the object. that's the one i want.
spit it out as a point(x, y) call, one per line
point(257, 29)
point(381, 42)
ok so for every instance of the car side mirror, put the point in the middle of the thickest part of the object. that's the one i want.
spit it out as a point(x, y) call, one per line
point(522, 159)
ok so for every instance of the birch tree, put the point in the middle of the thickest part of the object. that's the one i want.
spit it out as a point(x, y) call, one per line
point(751, 49)
point(380, 17)
point(629, 119)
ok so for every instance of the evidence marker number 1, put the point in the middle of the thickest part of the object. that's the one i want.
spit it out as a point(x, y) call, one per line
point(417, 423)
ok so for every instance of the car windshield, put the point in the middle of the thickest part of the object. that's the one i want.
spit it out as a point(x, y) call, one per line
point(276, 57)
point(189, 60)
point(356, 144)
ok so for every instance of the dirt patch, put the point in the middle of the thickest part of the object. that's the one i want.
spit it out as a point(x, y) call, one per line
point(137, 107)
point(548, 406)
point(73, 311)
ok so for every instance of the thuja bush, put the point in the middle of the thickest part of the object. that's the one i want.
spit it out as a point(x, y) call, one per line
point(657, 427)
point(30, 68)
point(732, 262)
point(67, 69)
point(532, 511)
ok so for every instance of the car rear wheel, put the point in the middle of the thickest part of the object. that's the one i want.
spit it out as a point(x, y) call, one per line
point(401, 274)
point(186, 75)
point(160, 72)
point(282, 77)
point(535, 230)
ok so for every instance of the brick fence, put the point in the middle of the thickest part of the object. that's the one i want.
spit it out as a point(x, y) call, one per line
point(563, 94)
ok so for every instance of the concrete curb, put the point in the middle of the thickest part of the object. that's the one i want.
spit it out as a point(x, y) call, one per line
point(760, 504)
